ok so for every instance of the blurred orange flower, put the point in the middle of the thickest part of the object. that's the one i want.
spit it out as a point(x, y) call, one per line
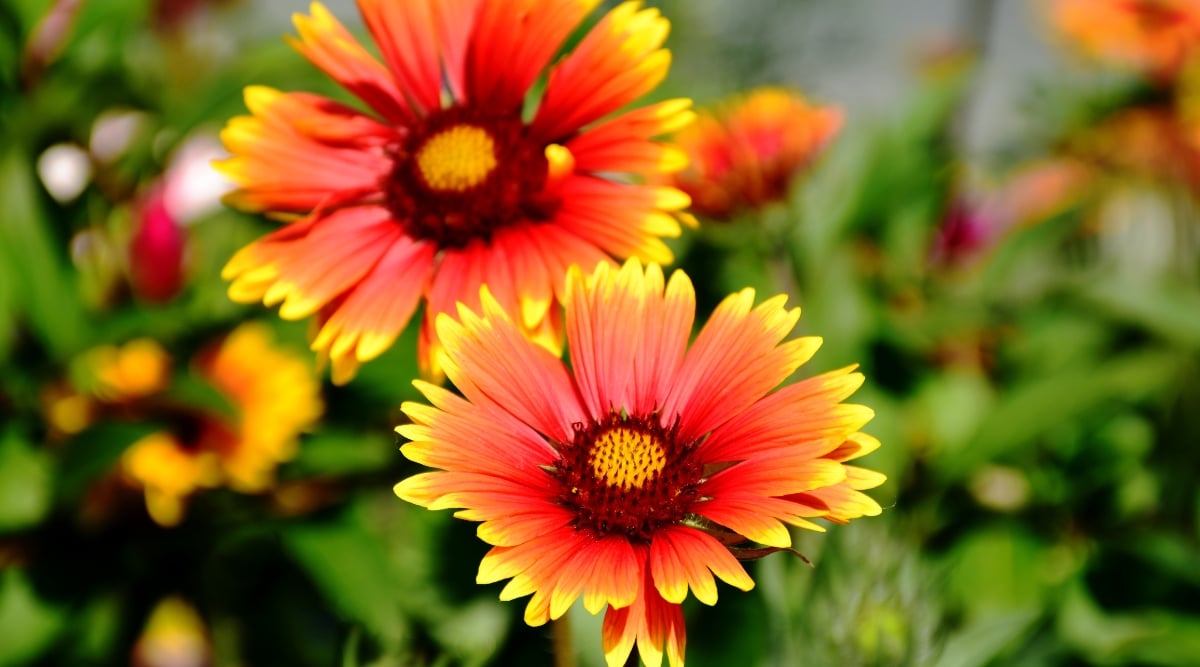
point(457, 177)
point(1153, 36)
point(138, 368)
point(273, 396)
point(635, 474)
point(1146, 142)
point(746, 153)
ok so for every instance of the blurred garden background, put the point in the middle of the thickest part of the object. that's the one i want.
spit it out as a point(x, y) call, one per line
point(1001, 230)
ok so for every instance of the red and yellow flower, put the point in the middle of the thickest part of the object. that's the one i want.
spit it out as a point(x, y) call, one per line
point(272, 396)
point(632, 475)
point(746, 154)
point(457, 176)
point(1154, 36)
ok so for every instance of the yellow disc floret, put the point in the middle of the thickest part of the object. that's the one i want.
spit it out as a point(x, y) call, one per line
point(626, 458)
point(457, 158)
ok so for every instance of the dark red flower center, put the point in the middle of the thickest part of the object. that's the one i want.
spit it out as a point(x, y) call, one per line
point(462, 175)
point(197, 431)
point(627, 475)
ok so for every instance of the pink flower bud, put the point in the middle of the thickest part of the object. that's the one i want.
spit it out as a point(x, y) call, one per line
point(156, 250)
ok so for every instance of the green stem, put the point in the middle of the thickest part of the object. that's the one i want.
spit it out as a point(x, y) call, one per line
point(564, 648)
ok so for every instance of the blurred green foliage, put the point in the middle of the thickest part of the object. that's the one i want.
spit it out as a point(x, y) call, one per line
point(1039, 402)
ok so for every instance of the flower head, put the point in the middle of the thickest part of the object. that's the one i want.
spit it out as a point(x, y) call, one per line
point(746, 154)
point(632, 475)
point(271, 394)
point(454, 178)
point(1154, 36)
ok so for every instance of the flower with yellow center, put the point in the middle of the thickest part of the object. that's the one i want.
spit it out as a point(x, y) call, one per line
point(454, 178)
point(633, 475)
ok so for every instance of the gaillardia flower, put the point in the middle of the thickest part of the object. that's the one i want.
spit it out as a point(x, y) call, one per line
point(271, 394)
point(632, 475)
point(1157, 37)
point(745, 154)
point(457, 176)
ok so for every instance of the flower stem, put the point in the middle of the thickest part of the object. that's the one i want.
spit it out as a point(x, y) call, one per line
point(564, 647)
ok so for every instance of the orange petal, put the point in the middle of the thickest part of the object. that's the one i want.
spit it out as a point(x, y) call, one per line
point(775, 476)
point(404, 32)
point(735, 360)
point(759, 519)
point(455, 22)
point(601, 353)
point(297, 151)
point(489, 359)
point(455, 434)
point(622, 219)
point(618, 61)
point(367, 320)
point(623, 143)
point(651, 623)
point(681, 557)
point(332, 48)
point(512, 43)
point(803, 419)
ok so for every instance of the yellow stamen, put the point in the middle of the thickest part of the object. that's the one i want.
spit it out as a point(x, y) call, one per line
point(626, 457)
point(457, 159)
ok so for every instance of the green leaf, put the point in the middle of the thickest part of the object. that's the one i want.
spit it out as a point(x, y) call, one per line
point(1152, 637)
point(980, 642)
point(1034, 408)
point(474, 632)
point(96, 630)
point(190, 389)
point(955, 402)
point(1171, 311)
point(26, 482)
point(992, 572)
point(340, 452)
point(8, 314)
point(30, 627)
point(348, 565)
point(42, 280)
point(95, 452)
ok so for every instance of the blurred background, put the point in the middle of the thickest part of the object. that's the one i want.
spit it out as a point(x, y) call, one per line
point(1003, 233)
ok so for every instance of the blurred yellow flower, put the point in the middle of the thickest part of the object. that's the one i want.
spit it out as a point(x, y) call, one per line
point(170, 470)
point(273, 395)
point(136, 369)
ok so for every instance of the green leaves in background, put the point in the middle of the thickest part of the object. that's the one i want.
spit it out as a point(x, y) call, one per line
point(30, 626)
point(33, 264)
point(26, 481)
